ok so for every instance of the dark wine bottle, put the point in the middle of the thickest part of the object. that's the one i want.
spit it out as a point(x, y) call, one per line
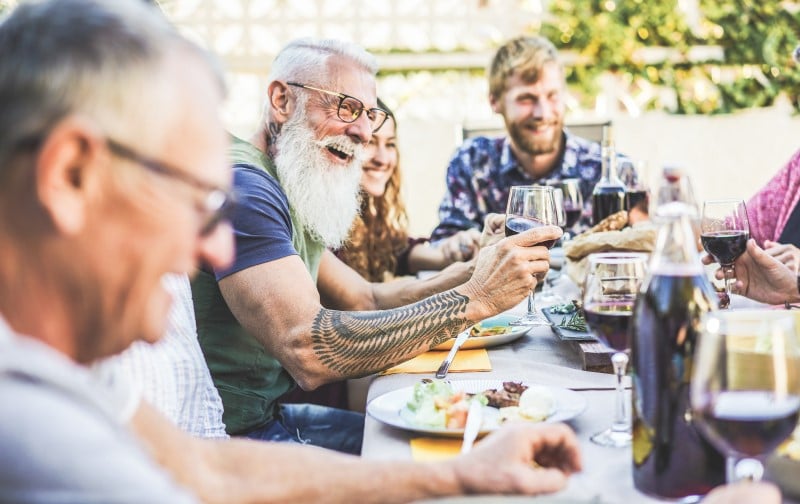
point(608, 195)
point(671, 459)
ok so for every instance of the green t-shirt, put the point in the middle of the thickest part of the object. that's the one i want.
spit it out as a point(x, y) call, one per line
point(248, 378)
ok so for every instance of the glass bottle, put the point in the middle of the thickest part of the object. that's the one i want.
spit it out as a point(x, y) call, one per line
point(670, 457)
point(608, 195)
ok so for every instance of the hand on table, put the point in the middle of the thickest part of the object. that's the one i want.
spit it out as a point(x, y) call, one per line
point(493, 229)
point(506, 272)
point(761, 277)
point(520, 458)
point(461, 246)
point(786, 253)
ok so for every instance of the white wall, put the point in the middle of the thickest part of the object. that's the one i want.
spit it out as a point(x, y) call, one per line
point(726, 155)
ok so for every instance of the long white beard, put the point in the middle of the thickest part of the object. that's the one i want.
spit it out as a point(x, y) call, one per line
point(323, 194)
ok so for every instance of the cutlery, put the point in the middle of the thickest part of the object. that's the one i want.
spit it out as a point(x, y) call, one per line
point(460, 339)
point(474, 419)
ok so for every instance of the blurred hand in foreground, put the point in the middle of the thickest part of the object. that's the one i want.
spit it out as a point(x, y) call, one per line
point(746, 491)
point(520, 458)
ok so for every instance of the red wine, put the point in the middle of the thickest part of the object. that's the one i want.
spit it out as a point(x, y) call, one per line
point(725, 246)
point(516, 225)
point(606, 201)
point(610, 322)
point(637, 198)
point(573, 215)
point(671, 458)
point(750, 423)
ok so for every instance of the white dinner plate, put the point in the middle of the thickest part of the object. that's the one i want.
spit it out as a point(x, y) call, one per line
point(391, 408)
point(490, 341)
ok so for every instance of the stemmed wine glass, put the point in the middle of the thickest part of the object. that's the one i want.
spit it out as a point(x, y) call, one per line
point(548, 296)
point(724, 231)
point(530, 207)
point(609, 296)
point(573, 204)
point(745, 385)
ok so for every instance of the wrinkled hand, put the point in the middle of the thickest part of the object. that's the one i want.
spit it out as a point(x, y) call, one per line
point(493, 229)
point(506, 272)
point(763, 493)
point(761, 277)
point(461, 246)
point(786, 253)
point(520, 458)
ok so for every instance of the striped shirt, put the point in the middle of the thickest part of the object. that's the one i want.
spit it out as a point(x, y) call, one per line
point(172, 374)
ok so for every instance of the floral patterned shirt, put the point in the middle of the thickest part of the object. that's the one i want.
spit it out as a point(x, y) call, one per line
point(483, 170)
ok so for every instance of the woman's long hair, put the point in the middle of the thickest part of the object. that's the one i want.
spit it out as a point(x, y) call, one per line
point(380, 232)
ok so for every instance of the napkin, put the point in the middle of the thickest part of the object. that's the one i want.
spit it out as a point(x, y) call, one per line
point(425, 449)
point(428, 362)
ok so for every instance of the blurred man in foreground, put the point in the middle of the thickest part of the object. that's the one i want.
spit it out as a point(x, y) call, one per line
point(112, 175)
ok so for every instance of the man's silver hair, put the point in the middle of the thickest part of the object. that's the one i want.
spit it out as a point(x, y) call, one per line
point(304, 60)
point(99, 59)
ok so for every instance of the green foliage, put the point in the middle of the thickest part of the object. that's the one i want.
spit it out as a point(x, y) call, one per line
point(626, 37)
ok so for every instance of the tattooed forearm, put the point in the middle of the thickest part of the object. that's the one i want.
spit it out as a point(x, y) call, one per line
point(359, 343)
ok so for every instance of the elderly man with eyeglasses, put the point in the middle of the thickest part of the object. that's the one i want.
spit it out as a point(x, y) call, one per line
point(288, 311)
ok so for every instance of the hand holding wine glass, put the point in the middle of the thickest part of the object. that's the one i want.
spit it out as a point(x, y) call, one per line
point(529, 207)
point(609, 296)
point(745, 386)
point(724, 232)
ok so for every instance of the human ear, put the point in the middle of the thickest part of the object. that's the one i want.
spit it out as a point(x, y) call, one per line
point(496, 104)
point(65, 173)
point(281, 102)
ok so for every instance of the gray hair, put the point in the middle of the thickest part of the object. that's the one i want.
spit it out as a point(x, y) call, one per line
point(96, 58)
point(304, 60)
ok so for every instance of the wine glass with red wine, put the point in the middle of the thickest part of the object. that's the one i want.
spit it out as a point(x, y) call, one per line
point(724, 231)
point(530, 207)
point(745, 385)
point(548, 295)
point(609, 295)
point(573, 203)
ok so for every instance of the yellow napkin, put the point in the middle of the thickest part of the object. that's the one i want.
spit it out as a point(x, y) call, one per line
point(432, 449)
point(428, 362)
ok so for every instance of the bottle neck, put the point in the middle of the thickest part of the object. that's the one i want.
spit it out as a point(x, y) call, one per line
point(676, 245)
point(608, 164)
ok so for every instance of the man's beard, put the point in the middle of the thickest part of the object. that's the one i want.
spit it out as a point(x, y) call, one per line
point(324, 195)
point(524, 139)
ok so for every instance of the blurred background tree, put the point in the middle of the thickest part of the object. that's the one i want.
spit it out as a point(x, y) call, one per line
point(736, 54)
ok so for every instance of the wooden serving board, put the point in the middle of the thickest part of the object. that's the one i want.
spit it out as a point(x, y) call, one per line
point(595, 356)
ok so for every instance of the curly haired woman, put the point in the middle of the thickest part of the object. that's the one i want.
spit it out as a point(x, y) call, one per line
point(380, 247)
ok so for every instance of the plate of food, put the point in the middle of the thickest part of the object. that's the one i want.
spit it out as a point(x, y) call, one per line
point(440, 407)
point(490, 332)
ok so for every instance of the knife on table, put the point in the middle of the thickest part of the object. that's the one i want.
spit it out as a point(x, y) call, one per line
point(460, 339)
point(473, 426)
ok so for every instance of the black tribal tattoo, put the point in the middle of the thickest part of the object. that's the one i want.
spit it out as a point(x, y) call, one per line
point(359, 343)
point(274, 129)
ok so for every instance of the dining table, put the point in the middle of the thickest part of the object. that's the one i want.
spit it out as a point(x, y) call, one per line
point(536, 357)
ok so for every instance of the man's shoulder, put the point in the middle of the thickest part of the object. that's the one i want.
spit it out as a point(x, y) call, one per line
point(481, 144)
point(478, 153)
point(583, 147)
point(64, 447)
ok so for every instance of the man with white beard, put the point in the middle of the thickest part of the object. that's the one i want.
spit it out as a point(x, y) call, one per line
point(288, 311)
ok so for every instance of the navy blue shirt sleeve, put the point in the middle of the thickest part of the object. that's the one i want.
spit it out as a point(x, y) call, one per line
point(262, 226)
